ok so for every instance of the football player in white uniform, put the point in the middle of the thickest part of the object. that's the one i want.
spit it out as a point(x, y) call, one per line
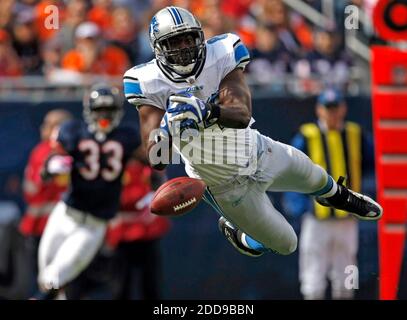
point(196, 89)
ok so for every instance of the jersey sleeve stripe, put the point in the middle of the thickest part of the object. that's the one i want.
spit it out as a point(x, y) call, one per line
point(134, 96)
point(237, 42)
point(242, 63)
point(132, 88)
point(130, 78)
point(241, 53)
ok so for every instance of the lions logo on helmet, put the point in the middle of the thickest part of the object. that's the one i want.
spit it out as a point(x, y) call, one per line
point(177, 40)
point(103, 109)
point(154, 26)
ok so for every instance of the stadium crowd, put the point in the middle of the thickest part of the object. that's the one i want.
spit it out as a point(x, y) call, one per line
point(106, 37)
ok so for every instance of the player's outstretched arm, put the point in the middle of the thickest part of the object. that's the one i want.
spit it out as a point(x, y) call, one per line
point(150, 118)
point(234, 101)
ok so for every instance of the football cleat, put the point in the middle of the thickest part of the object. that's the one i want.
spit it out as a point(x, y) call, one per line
point(234, 236)
point(359, 205)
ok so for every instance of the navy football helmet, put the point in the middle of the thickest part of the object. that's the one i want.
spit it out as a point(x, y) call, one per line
point(102, 108)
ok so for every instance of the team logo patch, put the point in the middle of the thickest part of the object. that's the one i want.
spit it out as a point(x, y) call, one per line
point(154, 25)
point(191, 89)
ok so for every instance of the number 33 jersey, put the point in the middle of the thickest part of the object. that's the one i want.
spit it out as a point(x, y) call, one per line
point(98, 167)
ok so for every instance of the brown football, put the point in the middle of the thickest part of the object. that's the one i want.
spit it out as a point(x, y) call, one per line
point(177, 196)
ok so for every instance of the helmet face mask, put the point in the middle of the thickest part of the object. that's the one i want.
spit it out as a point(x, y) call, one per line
point(182, 49)
point(178, 47)
point(103, 109)
point(103, 118)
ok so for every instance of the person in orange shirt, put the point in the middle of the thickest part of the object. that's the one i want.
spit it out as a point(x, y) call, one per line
point(91, 55)
point(101, 13)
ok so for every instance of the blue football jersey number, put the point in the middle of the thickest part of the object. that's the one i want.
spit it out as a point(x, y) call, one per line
point(111, 149)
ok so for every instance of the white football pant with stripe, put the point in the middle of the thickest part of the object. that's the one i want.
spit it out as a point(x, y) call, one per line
point(70, 241)
point(244, 202)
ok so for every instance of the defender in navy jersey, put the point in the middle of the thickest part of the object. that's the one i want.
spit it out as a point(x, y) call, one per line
point(94, 152)
point(97, 168)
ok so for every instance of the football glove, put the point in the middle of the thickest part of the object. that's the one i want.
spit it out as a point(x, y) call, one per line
point(187, 106)
point(170, 127)
point(58, 164)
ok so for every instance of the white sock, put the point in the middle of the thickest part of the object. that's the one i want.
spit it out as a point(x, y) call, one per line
point(332, 191)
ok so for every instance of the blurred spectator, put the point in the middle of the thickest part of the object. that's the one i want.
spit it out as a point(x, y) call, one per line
point(40, 196)
point(6, 16)
point(91, 55)
point(138, 8)
point(10, 64)
point(124, 33)
point(303, 31)
point(213, 22)
point(327, 61)
point(64, 39)
point(26, 44)
point(270, 59)
point(51, 57)
point(275, 13)
point(101, 13)
point(270, 13)
point(236, 9)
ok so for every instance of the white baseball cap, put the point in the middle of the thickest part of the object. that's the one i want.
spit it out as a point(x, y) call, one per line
point(87, 30)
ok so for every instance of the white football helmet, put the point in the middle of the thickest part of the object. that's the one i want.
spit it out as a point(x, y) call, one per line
point(177, 40)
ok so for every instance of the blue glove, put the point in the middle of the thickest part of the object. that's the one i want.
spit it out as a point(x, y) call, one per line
point(186, 106)
point(165, 129)
point(169, 128)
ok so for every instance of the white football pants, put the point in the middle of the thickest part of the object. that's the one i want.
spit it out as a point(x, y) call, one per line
point(244, 201)
point(70, 241)
point(327, 248)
